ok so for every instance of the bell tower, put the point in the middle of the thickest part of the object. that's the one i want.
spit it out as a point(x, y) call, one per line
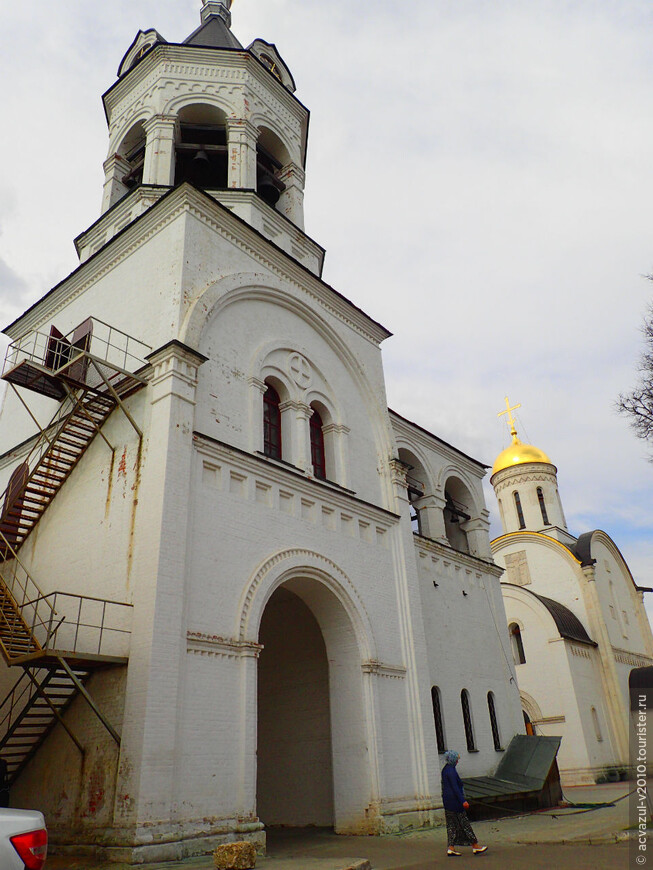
point(212, 113)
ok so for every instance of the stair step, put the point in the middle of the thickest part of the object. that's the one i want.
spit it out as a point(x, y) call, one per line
point(56, 464)
point(62, 440)
point(24, 509)
point(84, 438)
point(50, 474)
point(90, 411)
point(11, 519)
point(84, 427)
point(84, 424)
point(37, 501)
point(38, 489)
point(13, 524)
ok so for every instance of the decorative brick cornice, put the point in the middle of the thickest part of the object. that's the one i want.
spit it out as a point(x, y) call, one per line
point(635, 660)
point(537, 472)
point(380, 669)
point(212, 645)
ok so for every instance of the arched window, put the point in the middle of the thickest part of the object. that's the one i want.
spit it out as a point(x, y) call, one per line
point(437, 719)
point(516, 644)
point(271, 423)
point(520, 512)
point(496, 737)
point(271, 156)
point(318, 455)
point(540, 498)
point(457, 500)
point(467, 720)
point(528, 725)
point(416, 487)
point(132, 149)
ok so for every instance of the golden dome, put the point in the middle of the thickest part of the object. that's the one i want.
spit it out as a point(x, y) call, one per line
point(519, 454)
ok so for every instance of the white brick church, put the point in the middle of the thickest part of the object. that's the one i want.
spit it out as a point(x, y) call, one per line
point(576, 619)
point(238, 591)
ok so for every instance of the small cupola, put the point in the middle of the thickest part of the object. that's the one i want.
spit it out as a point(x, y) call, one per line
point(215, 29)
point(526, 485)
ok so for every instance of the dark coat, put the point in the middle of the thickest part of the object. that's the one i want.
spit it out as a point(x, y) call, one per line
point(452, 789)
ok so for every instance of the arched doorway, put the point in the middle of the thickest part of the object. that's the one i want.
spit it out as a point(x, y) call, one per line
point(294, 783)
point(313, 758)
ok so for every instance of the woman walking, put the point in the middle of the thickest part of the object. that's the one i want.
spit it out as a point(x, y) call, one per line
point(459, 830)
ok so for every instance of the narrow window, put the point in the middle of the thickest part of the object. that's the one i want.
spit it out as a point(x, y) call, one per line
point(467, 720)
point(528, 725)
point(268, 184)
point(271, 423)
point(540, 498)
point(493, 722)
point(415, 489)
point(597, 727)
point(318, 456)
point(520, 512)
point(437, 718)
point(516, 644)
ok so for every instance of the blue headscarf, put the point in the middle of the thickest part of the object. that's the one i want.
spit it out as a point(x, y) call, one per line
point(451, 757)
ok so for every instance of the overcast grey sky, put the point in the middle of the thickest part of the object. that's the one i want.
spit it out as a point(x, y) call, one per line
point(479, 172)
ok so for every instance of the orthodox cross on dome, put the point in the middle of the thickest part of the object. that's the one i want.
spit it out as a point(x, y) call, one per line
point(511, 419)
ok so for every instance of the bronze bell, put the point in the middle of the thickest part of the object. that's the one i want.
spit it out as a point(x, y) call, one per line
point(202, 157)
point(268, 190)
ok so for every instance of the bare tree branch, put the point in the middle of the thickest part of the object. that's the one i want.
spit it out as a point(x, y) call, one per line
point(637, 405)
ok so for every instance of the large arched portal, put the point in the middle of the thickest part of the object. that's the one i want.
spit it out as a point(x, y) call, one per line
point(313, 763)
point(294, 771)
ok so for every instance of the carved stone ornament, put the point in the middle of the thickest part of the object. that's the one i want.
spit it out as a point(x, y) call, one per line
point(299, 370)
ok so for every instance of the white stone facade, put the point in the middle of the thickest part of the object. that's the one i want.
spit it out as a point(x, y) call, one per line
point(287, 627)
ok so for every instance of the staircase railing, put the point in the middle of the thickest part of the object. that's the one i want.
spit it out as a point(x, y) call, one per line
point(77, 624)
point(104, 342)
point(82, 625)
point(90, 372)
point(19, 585)
point(15, 701)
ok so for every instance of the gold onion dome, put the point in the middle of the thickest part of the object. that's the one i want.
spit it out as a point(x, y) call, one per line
point(519, 454)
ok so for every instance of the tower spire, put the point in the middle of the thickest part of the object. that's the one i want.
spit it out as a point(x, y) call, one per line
point(220, 8)
point(511, 420)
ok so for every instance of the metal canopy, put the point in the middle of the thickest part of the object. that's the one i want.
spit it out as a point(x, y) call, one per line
point(524, 769)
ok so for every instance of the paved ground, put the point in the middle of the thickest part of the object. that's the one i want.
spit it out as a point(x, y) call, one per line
point(566, 838)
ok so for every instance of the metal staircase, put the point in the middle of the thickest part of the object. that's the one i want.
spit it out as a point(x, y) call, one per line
point(58, 640)
point(37, 701)
point(91, 372)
